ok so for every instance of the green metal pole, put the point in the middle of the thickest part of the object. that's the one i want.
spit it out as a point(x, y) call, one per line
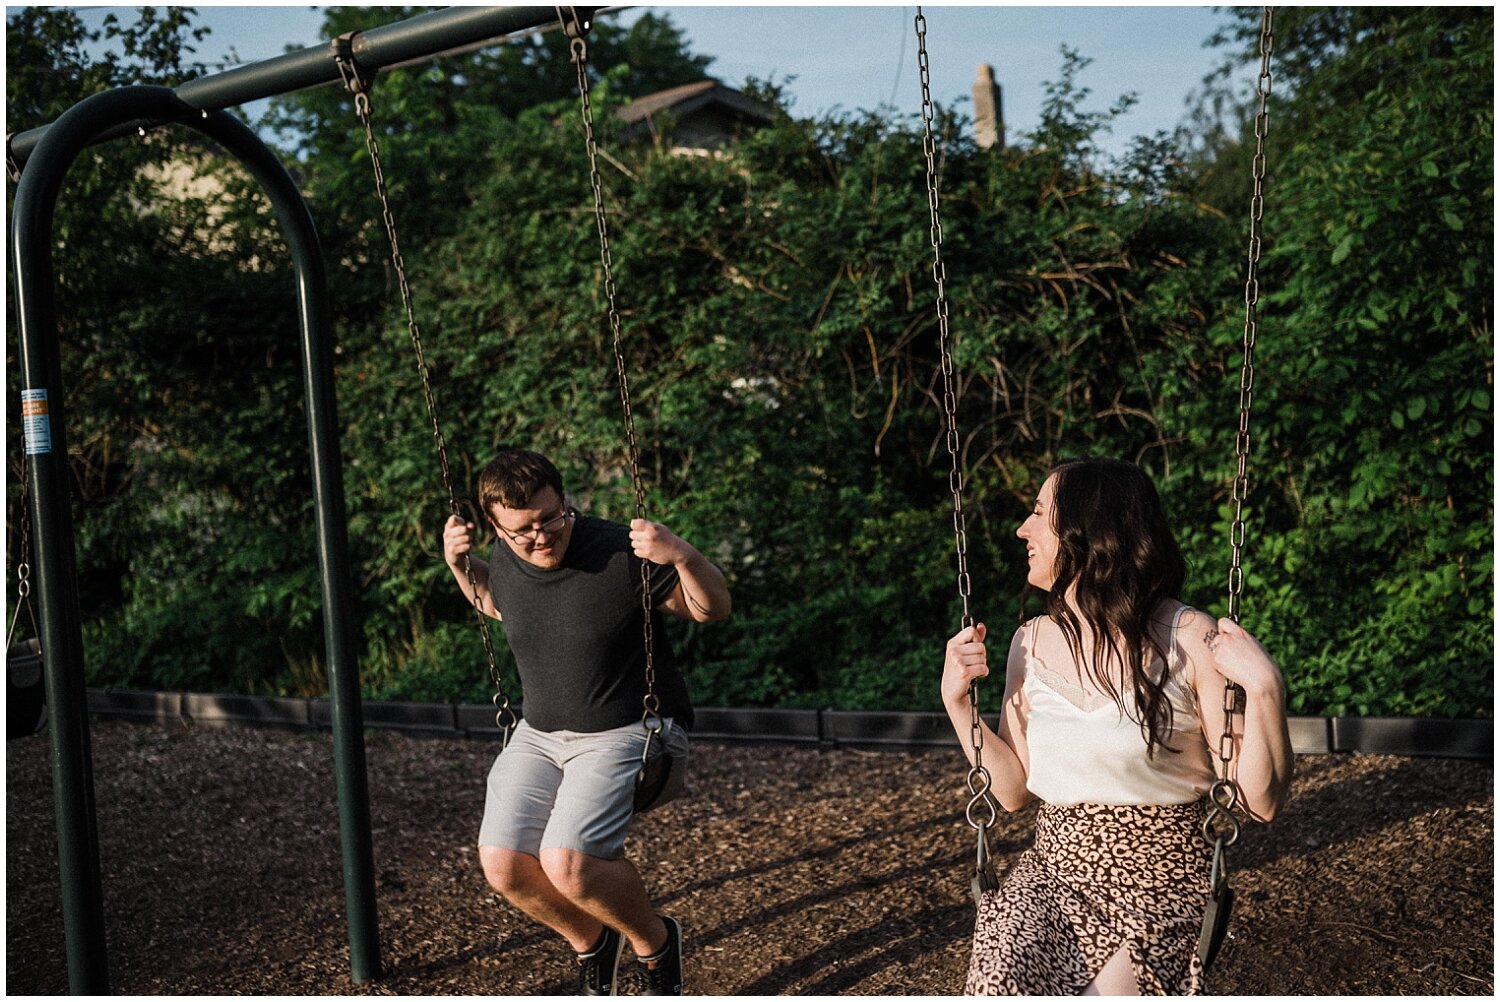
point(57, 580)
point(52, 529)
point(333, 538)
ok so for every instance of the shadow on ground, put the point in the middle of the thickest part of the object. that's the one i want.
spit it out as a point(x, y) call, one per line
point(794, 871)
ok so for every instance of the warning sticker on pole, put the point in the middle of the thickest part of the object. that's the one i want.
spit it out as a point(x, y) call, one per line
point(35, 421)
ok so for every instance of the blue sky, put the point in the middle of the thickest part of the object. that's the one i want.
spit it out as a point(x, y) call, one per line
point(854, 57)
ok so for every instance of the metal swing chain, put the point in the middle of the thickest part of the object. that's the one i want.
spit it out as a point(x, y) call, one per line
point(575, 29)
point(359, 84)
point(23, 566)
point(979, 777)
point(1220, 826)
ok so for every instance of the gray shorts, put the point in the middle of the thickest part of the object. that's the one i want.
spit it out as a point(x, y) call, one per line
point(569, 789)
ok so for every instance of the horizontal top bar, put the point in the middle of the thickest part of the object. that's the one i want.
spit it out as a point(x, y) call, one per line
point(423, 36)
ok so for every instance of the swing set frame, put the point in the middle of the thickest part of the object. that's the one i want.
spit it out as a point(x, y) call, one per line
point(38, 160)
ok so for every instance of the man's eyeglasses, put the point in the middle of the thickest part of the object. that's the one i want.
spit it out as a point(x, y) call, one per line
point(551, 527)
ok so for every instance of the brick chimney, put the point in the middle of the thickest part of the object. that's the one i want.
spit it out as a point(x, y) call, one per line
point(989, 116)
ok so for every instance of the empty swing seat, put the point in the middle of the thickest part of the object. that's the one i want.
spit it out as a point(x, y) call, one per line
point(25, 694)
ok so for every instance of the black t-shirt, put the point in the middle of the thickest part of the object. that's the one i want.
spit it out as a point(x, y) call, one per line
point(577, 633)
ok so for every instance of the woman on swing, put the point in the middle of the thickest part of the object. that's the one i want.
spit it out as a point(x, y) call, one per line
point(1113, 700)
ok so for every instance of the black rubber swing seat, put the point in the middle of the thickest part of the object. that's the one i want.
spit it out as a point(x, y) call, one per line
point(25, 693)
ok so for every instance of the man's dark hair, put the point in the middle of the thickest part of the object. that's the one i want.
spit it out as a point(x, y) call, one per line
point(514, 477)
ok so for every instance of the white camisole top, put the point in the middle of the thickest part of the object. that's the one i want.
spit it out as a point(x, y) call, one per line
point(1083, 750)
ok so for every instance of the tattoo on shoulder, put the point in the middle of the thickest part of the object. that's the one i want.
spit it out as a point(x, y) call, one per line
point(1211, 638)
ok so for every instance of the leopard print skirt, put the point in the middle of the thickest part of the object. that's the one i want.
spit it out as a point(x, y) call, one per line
point(1098, 878)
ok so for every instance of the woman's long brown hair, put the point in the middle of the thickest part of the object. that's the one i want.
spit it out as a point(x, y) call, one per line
point(1117, 555)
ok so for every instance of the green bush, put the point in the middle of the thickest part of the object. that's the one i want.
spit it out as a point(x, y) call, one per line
point(781, 338)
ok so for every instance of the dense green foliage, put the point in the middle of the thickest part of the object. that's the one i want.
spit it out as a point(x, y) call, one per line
point(778, 309)
point(182, 380)
point(1376, 436)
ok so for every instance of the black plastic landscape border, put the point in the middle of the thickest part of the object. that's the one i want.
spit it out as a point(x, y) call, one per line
point(860, 729)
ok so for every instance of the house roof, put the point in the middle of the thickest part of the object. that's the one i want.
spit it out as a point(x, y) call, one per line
point(691, 97)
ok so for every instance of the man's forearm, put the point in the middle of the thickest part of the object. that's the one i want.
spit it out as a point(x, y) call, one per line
point(704, 588)
point(479, 590)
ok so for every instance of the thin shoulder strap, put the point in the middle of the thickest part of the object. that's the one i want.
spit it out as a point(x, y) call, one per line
point(1174, 648)
point(1177, 618)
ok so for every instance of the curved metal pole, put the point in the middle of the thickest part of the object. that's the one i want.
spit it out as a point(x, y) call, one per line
point(422, 37)
point(57, 575)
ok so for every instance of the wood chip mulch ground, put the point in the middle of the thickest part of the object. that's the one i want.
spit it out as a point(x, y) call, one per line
point(794, 871)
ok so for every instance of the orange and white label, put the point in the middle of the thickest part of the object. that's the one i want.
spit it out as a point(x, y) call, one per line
point(35, 422)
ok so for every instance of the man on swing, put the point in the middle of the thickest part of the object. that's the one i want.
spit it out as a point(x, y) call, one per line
point(560, 795)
